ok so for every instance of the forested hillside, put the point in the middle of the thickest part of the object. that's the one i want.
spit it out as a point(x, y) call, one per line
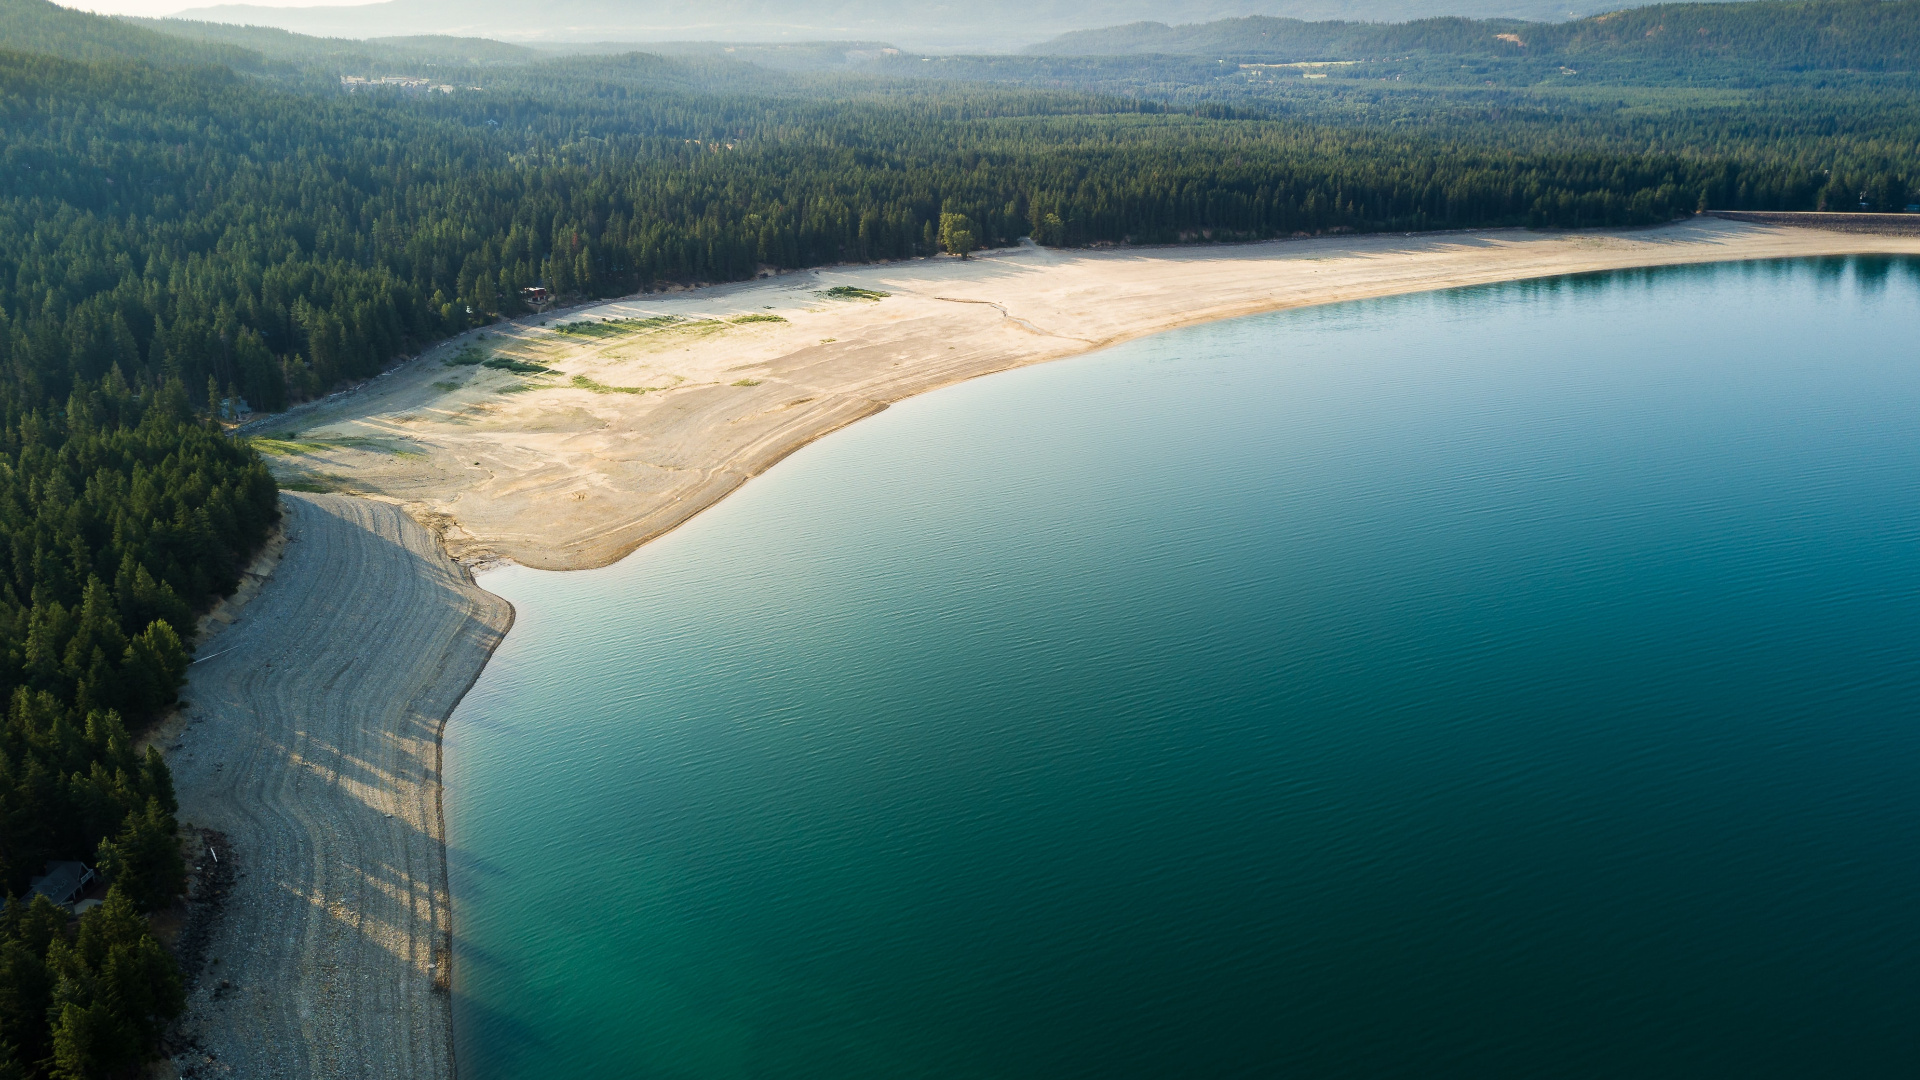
point(1772, 35)
point(376, 56)
point(40, 27)
point(122, 511)
point(988, 24)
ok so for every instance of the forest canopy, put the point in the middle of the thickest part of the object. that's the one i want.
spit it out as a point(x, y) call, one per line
point(271, 236)
point(123, 512)
point(1786, 35)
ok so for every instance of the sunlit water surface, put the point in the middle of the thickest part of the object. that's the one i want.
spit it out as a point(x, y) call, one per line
point(1516, 681)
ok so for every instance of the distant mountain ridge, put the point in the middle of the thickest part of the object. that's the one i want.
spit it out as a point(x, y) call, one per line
point(283, 45)
point(1865, 35)
point(986, 25)
point(41, 27)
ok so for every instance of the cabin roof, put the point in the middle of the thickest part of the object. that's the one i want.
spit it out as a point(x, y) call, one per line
point(61, 881)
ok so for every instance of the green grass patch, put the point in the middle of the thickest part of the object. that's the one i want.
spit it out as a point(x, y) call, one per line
point(604, 328)
point(313, 487)
point(288, 447)
point(443, 386)
point(747, 382)
point(697, 327)
point(758, 318)
point(285, 446)
point(518, 367)
point(470, 355)
point(848, 292)
point(581, 382)
point(516, 388)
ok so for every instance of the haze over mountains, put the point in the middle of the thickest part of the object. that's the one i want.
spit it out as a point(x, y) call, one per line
point(986, 25)
point(1871, 36)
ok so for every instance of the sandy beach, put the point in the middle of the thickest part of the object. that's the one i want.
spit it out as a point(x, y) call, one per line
point(312, 740)
point(641, 425)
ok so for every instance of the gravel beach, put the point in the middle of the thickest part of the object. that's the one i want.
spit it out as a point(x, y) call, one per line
point(312, 742)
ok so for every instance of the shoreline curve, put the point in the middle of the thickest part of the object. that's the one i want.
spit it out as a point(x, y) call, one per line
point(454, 520)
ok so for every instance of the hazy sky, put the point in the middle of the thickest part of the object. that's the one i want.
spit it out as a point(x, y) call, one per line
point(168, 7)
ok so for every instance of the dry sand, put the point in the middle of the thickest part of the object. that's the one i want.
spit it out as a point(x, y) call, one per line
point(312, 740)
point(560, 471)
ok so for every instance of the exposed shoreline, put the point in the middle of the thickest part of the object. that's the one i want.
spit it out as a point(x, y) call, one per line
point(313, 742)
point(565, 477)
point(636, 433)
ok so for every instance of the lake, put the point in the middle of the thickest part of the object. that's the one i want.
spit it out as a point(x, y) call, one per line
point(1510, 681)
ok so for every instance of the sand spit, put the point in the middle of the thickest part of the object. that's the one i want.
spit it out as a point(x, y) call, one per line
point(312, 741)
point(638, 426)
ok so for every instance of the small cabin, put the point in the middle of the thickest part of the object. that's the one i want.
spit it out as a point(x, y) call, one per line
point(62, 883)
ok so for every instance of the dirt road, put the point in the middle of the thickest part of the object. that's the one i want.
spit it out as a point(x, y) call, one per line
point(312, 742)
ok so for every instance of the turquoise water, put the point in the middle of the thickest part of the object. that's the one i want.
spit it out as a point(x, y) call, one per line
point(1515, 681)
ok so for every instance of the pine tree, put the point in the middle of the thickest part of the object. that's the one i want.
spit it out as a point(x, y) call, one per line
point(144, 860)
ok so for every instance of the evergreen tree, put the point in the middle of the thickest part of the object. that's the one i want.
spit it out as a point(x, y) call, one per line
point(144, 860)
point(114, 990)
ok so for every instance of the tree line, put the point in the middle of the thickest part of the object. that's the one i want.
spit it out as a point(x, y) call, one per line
point(122, 511)
point(273, 243)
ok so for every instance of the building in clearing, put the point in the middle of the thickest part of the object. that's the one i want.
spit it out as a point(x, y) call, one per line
point(63, 882)
point(412, 84)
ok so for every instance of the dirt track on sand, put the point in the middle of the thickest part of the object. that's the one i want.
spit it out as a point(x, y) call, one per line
point(312, 742)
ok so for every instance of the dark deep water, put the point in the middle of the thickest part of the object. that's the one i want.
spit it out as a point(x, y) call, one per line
point(1514, 681)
